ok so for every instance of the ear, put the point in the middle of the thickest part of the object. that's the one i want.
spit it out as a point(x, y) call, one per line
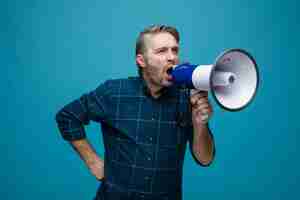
point(140, 60)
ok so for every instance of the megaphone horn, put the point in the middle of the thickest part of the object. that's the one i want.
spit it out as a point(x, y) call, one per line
point(233, 78)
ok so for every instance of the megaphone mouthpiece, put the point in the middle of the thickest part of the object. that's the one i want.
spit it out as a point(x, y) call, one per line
point(223, 78)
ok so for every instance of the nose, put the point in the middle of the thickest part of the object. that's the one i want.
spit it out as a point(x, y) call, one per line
point(171, 56)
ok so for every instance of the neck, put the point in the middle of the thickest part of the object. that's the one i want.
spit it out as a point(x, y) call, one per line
point(154, 89)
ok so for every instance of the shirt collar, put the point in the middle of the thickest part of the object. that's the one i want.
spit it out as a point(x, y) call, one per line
point(165, 92)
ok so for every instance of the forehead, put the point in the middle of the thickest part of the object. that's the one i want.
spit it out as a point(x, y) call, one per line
point(158, 40)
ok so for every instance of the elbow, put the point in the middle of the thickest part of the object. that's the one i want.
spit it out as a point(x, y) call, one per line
point(62, 123)
point(205, 162)
point(61, 117)
point(58, 116)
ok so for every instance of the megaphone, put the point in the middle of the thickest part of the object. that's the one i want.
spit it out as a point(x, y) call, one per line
point(233, 79)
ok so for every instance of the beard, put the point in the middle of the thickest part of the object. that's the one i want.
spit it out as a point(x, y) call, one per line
point(157, 75)
point(160, 78)
point(166, 81)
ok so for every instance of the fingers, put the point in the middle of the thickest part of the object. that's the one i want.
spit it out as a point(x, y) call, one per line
point(201, 107)
point(199, 98)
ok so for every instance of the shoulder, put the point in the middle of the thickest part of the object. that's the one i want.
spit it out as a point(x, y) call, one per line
point(122, 81)
point(119, 86)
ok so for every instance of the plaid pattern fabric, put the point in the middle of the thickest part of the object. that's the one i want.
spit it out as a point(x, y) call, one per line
point(145, 138)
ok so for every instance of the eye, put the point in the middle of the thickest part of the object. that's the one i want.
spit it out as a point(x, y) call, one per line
point(162, 50)
point(175, 50)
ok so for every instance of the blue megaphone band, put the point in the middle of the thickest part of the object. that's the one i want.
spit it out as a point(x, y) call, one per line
point(182, 75)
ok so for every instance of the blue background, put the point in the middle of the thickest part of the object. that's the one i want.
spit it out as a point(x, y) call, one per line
point(54, 51)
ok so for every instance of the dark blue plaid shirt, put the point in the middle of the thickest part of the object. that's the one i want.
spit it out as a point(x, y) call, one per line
point(145, 138)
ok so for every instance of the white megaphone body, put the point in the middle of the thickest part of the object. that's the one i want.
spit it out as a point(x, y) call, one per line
point(233, 78)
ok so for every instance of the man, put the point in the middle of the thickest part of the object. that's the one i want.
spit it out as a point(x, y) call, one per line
point(146, 122)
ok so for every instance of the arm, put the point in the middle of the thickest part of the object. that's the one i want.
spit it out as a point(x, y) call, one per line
point(202, 143)
point(94, 163)
point(71, 120)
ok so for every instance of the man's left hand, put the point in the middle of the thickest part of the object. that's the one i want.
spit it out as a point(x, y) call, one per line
point(201, 108)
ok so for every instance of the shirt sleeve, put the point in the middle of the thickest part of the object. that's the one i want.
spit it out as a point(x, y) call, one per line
point(73, 116)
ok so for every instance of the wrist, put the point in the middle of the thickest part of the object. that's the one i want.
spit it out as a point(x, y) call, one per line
point(199, 122)
point(200, 128)
point(94, 160)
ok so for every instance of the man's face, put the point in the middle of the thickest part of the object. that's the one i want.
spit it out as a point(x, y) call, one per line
point(161, 53)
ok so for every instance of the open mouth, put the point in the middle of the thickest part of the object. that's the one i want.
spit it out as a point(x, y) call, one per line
point(170, 68)
point(168, 74)
point(169, 71)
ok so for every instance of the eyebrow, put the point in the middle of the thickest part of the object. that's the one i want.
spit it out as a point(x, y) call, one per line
point(165, 47)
